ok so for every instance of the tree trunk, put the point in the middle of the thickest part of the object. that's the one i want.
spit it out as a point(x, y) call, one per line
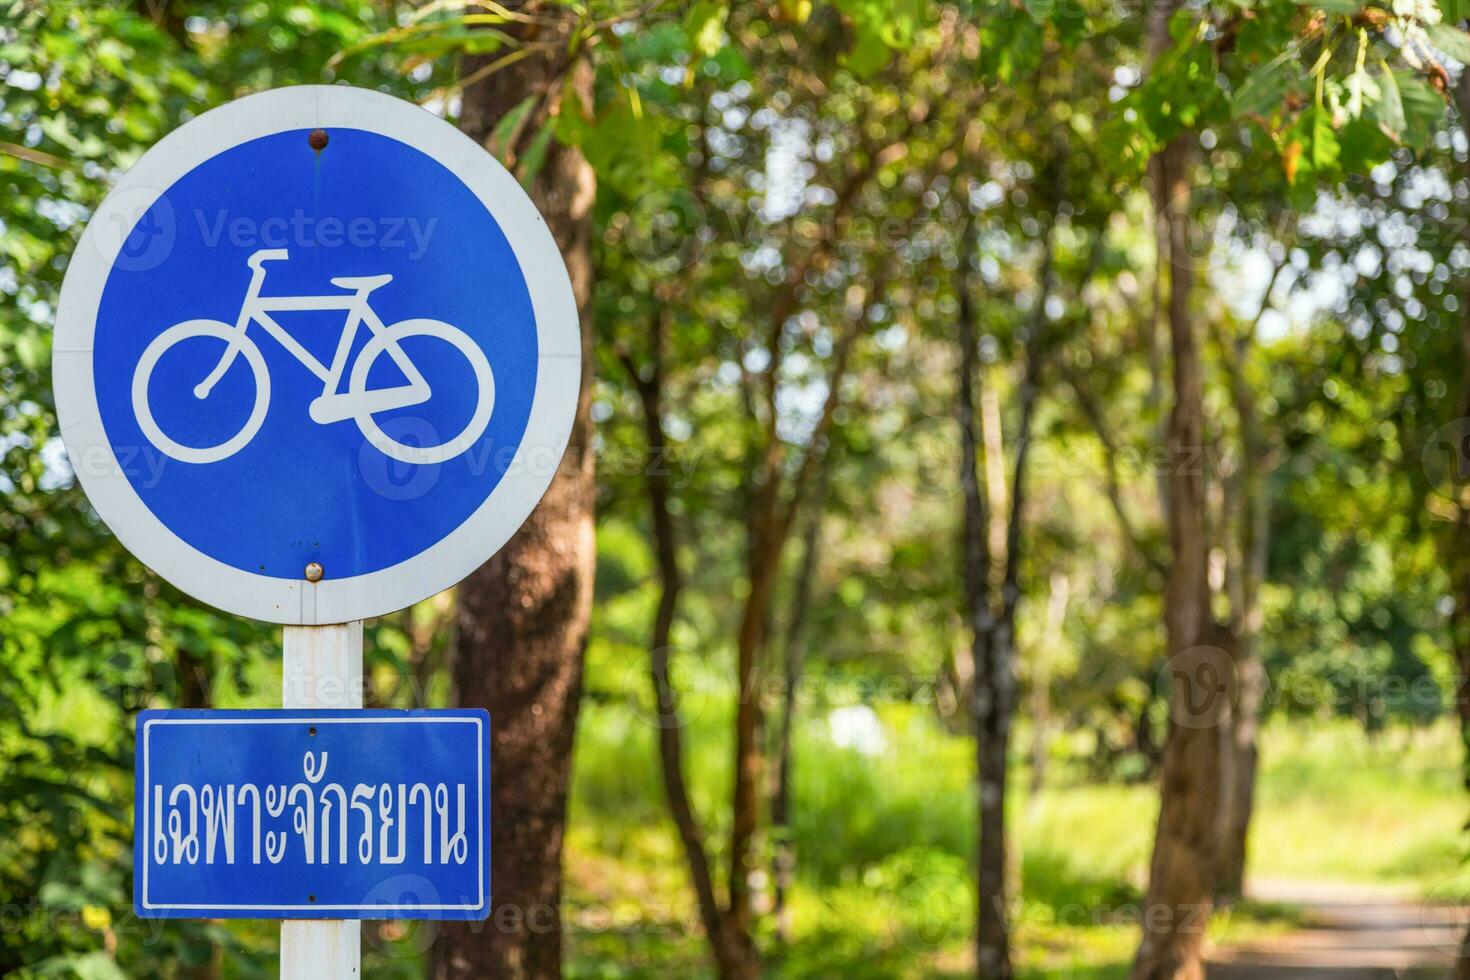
point(1460, 628)
point(194, 692)
point(192, 681)
point(765, 553)
point(1241, 755)
point(1239, 759)
point(1455, 550)
point(992, 618)
point(783, 863)
point(522, 618)
point(726, 951)
point(993, 459)
point(770, 527)
point(1056, 618)
point(993, 959)
point(1240, 788)
point(1182, 872)
point(992, 938)
point(1460, 625)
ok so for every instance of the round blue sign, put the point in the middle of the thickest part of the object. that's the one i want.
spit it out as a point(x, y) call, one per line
point(317, 356)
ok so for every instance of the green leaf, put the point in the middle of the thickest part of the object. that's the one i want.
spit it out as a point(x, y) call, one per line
point(732, 65)
point(879, 27)
point(896, 21)
point(30, 350)
point(705, 25)
point(1454, 11)
point(868, 53)
point(114, 57)
point(96, 966)
point(1264, 88)
point(1182, 92)
point(1390, 108)
point(1325, 148)
point(1451, 40)
point(1423, 109)
point(1127, 146)
point(1312, 150)
point(1343, 7)
point(505, 129)
point(535, 156)
point(1364, 145)
point(1011, 47)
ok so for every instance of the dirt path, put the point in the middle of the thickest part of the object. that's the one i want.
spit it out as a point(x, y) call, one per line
point(1352, 932)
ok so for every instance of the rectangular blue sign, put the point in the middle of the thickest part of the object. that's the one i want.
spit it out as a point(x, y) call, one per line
point(312, 814)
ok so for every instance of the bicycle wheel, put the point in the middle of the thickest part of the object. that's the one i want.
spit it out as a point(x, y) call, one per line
point(484, 380)
point(176, 334)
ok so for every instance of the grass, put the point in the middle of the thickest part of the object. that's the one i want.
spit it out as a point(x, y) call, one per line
point(884, 846)
point(1337, 805)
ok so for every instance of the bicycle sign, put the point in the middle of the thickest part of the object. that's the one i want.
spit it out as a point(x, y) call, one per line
point(357, 403)
point(316, 357)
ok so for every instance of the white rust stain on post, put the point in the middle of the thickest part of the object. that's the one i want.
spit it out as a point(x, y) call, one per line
point(312, 950)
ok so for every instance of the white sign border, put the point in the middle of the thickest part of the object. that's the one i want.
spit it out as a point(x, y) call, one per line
point(303, 717)
point(553, 408)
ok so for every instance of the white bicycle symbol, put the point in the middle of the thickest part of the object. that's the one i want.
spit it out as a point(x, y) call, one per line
point(357, 402)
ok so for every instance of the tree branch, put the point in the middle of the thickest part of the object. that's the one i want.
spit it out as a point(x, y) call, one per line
point(1094, 415)
point(670, 722)
point(815, 450)
point(30, 155)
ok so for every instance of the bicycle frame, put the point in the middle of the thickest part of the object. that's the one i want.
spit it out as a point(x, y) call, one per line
point(331, 405)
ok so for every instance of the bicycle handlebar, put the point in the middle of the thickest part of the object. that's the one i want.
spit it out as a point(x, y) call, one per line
point(266, 255)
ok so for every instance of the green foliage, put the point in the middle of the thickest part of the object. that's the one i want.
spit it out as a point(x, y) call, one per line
point(879, 28)
point(704, 25)
point(87, 636)
point(867, 164)
point(1335, 803)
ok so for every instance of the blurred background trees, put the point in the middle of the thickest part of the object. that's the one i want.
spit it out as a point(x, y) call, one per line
point(968, 381)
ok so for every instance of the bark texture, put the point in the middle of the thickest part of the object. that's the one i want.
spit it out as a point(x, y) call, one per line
point(992, 522)
point(522, 618)
point(988, 707)
point(991, 611)
point(1247, 570)
point(1182, 872)
point(1240, 762)
point(783, 859)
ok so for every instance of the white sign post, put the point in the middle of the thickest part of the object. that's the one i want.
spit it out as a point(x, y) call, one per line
point(321, 667)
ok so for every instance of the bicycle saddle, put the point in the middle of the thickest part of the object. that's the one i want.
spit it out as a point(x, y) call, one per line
point(363, 283)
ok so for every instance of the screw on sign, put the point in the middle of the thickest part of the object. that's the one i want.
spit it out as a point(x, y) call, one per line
point(344, 342)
